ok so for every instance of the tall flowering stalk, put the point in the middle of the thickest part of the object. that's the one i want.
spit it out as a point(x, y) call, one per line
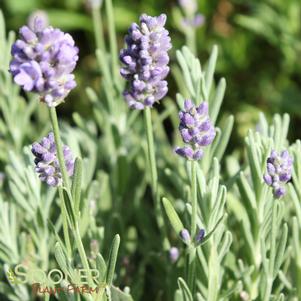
point(145, 62)
point(197, 132)
point(279, 172)
point(43, 60)
point(191, 20)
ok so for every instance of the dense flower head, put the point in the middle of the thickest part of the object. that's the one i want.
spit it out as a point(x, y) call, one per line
point(196, 130)
point(47, 164)
point(43, 59)
point(145, 61)
point(279, 171)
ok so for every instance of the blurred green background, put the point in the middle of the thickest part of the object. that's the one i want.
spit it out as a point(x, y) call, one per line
point(259, 44)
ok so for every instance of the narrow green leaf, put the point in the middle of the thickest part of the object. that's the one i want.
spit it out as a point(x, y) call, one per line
point(101, 266)
point(186, 72)
point(63, 262)
point(186, 294)
point(76, 185)
point(112, 259)
point(210, 69)
point(280, 250)
point(51, 227)
point(69, 208)
point(216, 102)
point(172, 216)
point(213, 275)
point(119, 295)
point(226, 133)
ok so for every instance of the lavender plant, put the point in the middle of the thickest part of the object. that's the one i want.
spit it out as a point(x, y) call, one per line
point(193, 222)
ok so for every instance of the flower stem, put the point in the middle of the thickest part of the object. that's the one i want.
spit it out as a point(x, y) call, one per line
point(154, 173)
point(193, 199)
point(270, 279)
point(151, 150)
point(191, 257)
point(113, 40)
point(59, 149)
point(192, 250)
point(98, 29)
point(65, 224)
point(82, 254)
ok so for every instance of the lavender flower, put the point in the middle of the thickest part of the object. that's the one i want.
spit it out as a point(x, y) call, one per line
point(145, 60)
point(174, 254)
point(38, 14)
point(197, 21)
point(200, 235)
point(279, 171)
point(196, 130)
point(43, 59)
point(185, 235)
point(47, 164)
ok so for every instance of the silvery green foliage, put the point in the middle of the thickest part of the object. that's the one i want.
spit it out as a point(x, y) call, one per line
point(252, 245)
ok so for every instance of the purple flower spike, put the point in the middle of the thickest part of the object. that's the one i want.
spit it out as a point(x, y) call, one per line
point(174, 254)
point(43, 60)
point(145, 62)
point(47, 164)
point(279, 172)
point(196, 130)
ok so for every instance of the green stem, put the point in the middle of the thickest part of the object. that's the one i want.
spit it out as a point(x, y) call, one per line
point(270, 279)
point(191, 258)
point(113, 40)
point(154, 174)
point(82, 254)
point(78, 241)
point(98, 29)
point(59, 148)
point(191, 40)
point(192, 250)
point(65, 224)
point(151, 150)
point(193, 199)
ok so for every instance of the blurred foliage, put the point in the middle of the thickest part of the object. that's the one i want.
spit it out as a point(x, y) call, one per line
point(259, 40)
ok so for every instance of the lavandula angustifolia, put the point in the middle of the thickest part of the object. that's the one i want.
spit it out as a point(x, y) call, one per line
point(261, 214)
point(197, 132)
point(279, 171)
point(43, 59)
point(145, 62)
point(47, 164)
